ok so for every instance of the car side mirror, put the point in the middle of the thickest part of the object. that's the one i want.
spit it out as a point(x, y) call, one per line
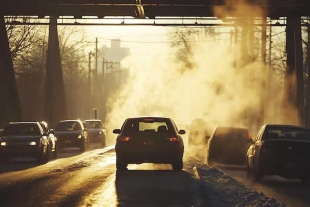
point(250, 141)
point(207, 137)
point(181, 131)
point(116, 131)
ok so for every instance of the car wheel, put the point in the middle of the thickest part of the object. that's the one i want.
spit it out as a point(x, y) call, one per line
point(42, 157)
point(256, 174)
point(55, 153)
point(103, 142)
point(120, 165)
point(83, 147)
point(178, 166)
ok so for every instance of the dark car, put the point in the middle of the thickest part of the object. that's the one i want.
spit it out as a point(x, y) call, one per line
point(228, 145)
point(199, 132)
point(24, 139)
point(51, 139)
point(149, 140)
point(96, 132)
point(282, 150)
point(71, 133)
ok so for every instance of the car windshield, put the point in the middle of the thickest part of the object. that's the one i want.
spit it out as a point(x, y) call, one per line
point(287, 133)
point(231, 133)
point(21, 129)
point(148, 125)
point(93, 124)
point(68, 126)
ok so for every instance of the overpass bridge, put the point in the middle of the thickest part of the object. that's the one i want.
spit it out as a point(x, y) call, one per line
point(10, 110)
point(150, 8)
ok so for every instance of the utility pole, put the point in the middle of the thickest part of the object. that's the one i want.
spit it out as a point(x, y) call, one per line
point(96, 57)
point(89, 83)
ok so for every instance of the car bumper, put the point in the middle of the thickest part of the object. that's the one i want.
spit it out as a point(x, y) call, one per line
point(96, 137)
point(19, 151)
point(291, 168)
point(69, 142)
point(138, 156)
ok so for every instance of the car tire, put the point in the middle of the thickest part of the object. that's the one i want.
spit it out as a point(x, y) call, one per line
point(42, 158)
point(83, 147)
point(178, 165)
point(121, 165)
point(103, 144)
point(256, 174)
point(54, 154)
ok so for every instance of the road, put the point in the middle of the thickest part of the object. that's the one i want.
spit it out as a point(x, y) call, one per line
point(291, 192)
point(90, 179)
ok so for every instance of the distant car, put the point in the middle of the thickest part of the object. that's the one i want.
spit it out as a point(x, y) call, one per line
point(71, 133)
point(51, 139)
point(96, 132)
point(282, 150)
point(228, 145)
point(199, 132)
point(149, 140)
point(24, 139)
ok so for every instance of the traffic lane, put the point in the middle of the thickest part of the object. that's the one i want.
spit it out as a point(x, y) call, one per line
point(149, 185)
point(23, 163)
point(291, 192)
point(153, 187)
point(90, 179)
point(56, 185)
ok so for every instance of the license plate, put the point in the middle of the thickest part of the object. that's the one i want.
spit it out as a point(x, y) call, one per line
point(289, 165)
point(148, 142)
point(68, 141)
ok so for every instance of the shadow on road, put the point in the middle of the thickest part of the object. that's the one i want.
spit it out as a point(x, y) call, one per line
point(154, 188)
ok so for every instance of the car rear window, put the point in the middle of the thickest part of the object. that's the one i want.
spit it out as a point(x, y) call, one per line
point(68, 126)
point(287, 133)
point(231, 133)
point(21, 129)
point(93, 124)
point(148, 125)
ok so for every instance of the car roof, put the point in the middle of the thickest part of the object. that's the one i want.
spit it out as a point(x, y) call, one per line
point(92, 120)
point(24, 122)
point(152, 117)
point(226, 127)
point(287, 126)
point(73, 120)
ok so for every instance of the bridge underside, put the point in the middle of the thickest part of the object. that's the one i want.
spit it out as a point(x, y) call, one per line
point(150, 8)
point(140, 9)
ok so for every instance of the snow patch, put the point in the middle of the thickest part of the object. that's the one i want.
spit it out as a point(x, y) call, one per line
point(223, 190)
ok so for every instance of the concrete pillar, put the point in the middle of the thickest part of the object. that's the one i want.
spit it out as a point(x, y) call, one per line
point(293, 99)
point(9, 101)
point(261, 118)
point(55, 108)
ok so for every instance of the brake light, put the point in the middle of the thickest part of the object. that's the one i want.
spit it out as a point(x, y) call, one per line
point(249, 136)
point(174, 139)
point(124, 139)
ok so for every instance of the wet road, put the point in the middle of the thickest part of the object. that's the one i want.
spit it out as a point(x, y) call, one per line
point(90, 179)
point(291, 192)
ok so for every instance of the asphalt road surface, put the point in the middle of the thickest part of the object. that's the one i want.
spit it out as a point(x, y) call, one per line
point(90, 179)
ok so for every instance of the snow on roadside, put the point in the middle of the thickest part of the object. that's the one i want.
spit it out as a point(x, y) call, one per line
point(223, 190)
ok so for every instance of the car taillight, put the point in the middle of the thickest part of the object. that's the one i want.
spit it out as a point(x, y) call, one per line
point(124, 139)
point(174, 139)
